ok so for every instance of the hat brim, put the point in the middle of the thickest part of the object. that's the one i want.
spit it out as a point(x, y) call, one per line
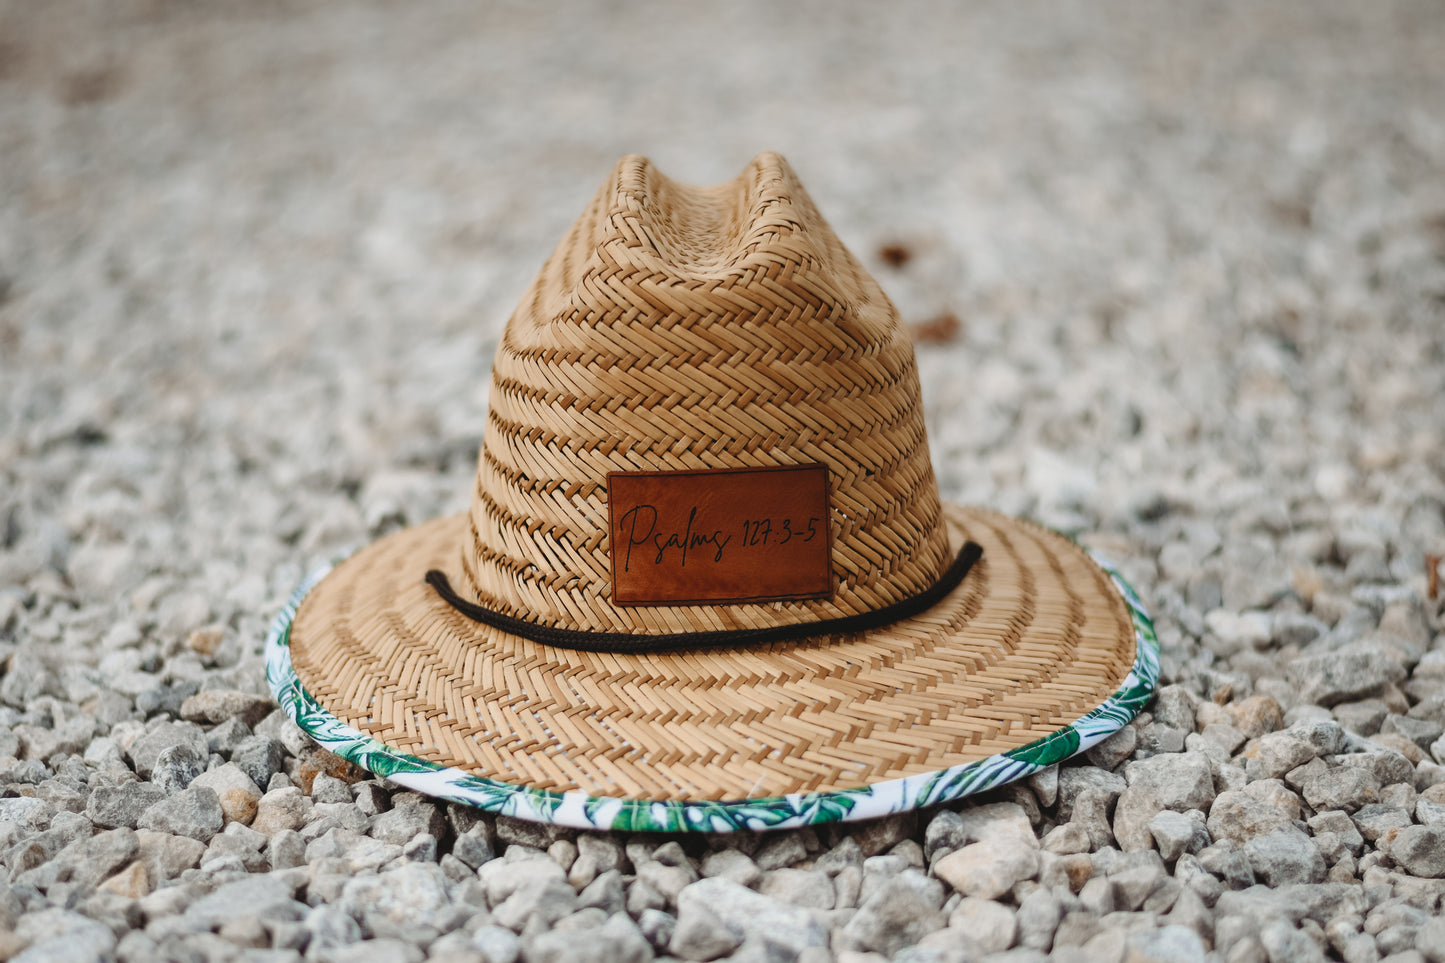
point(1042, 652)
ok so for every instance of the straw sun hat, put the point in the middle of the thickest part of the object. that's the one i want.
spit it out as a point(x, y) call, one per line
point(706, 581)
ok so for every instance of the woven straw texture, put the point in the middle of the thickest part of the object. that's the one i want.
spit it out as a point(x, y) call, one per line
point(684, 328)
point(1034, 638)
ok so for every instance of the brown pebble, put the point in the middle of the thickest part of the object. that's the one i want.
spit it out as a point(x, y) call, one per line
point(132, 882)
point(1079, 867)
point(895, 255)
point(941, 330)
point(1307, 583)
point(320, 761)
point(1255, 716)
point(1405, 747)
point(204, 641)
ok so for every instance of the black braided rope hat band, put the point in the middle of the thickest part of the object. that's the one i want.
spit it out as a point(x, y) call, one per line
point(627, 642)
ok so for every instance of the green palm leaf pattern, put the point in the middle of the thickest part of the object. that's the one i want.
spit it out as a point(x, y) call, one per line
point(1048, 750)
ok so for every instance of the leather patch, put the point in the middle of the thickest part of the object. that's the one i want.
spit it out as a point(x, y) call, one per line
point(731, 535)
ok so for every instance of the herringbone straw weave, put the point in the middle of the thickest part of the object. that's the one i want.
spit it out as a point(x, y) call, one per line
point(685, 328)
point(679, 328)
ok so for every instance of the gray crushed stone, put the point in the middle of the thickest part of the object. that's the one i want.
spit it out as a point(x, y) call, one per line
point(254, 261)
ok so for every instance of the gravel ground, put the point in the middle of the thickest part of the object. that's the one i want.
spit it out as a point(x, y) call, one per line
point(253, 263)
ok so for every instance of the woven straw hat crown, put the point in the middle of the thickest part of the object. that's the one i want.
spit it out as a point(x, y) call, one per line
point(681, 328)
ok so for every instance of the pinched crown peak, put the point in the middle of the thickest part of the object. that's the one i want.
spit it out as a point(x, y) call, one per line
point(678, 328)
